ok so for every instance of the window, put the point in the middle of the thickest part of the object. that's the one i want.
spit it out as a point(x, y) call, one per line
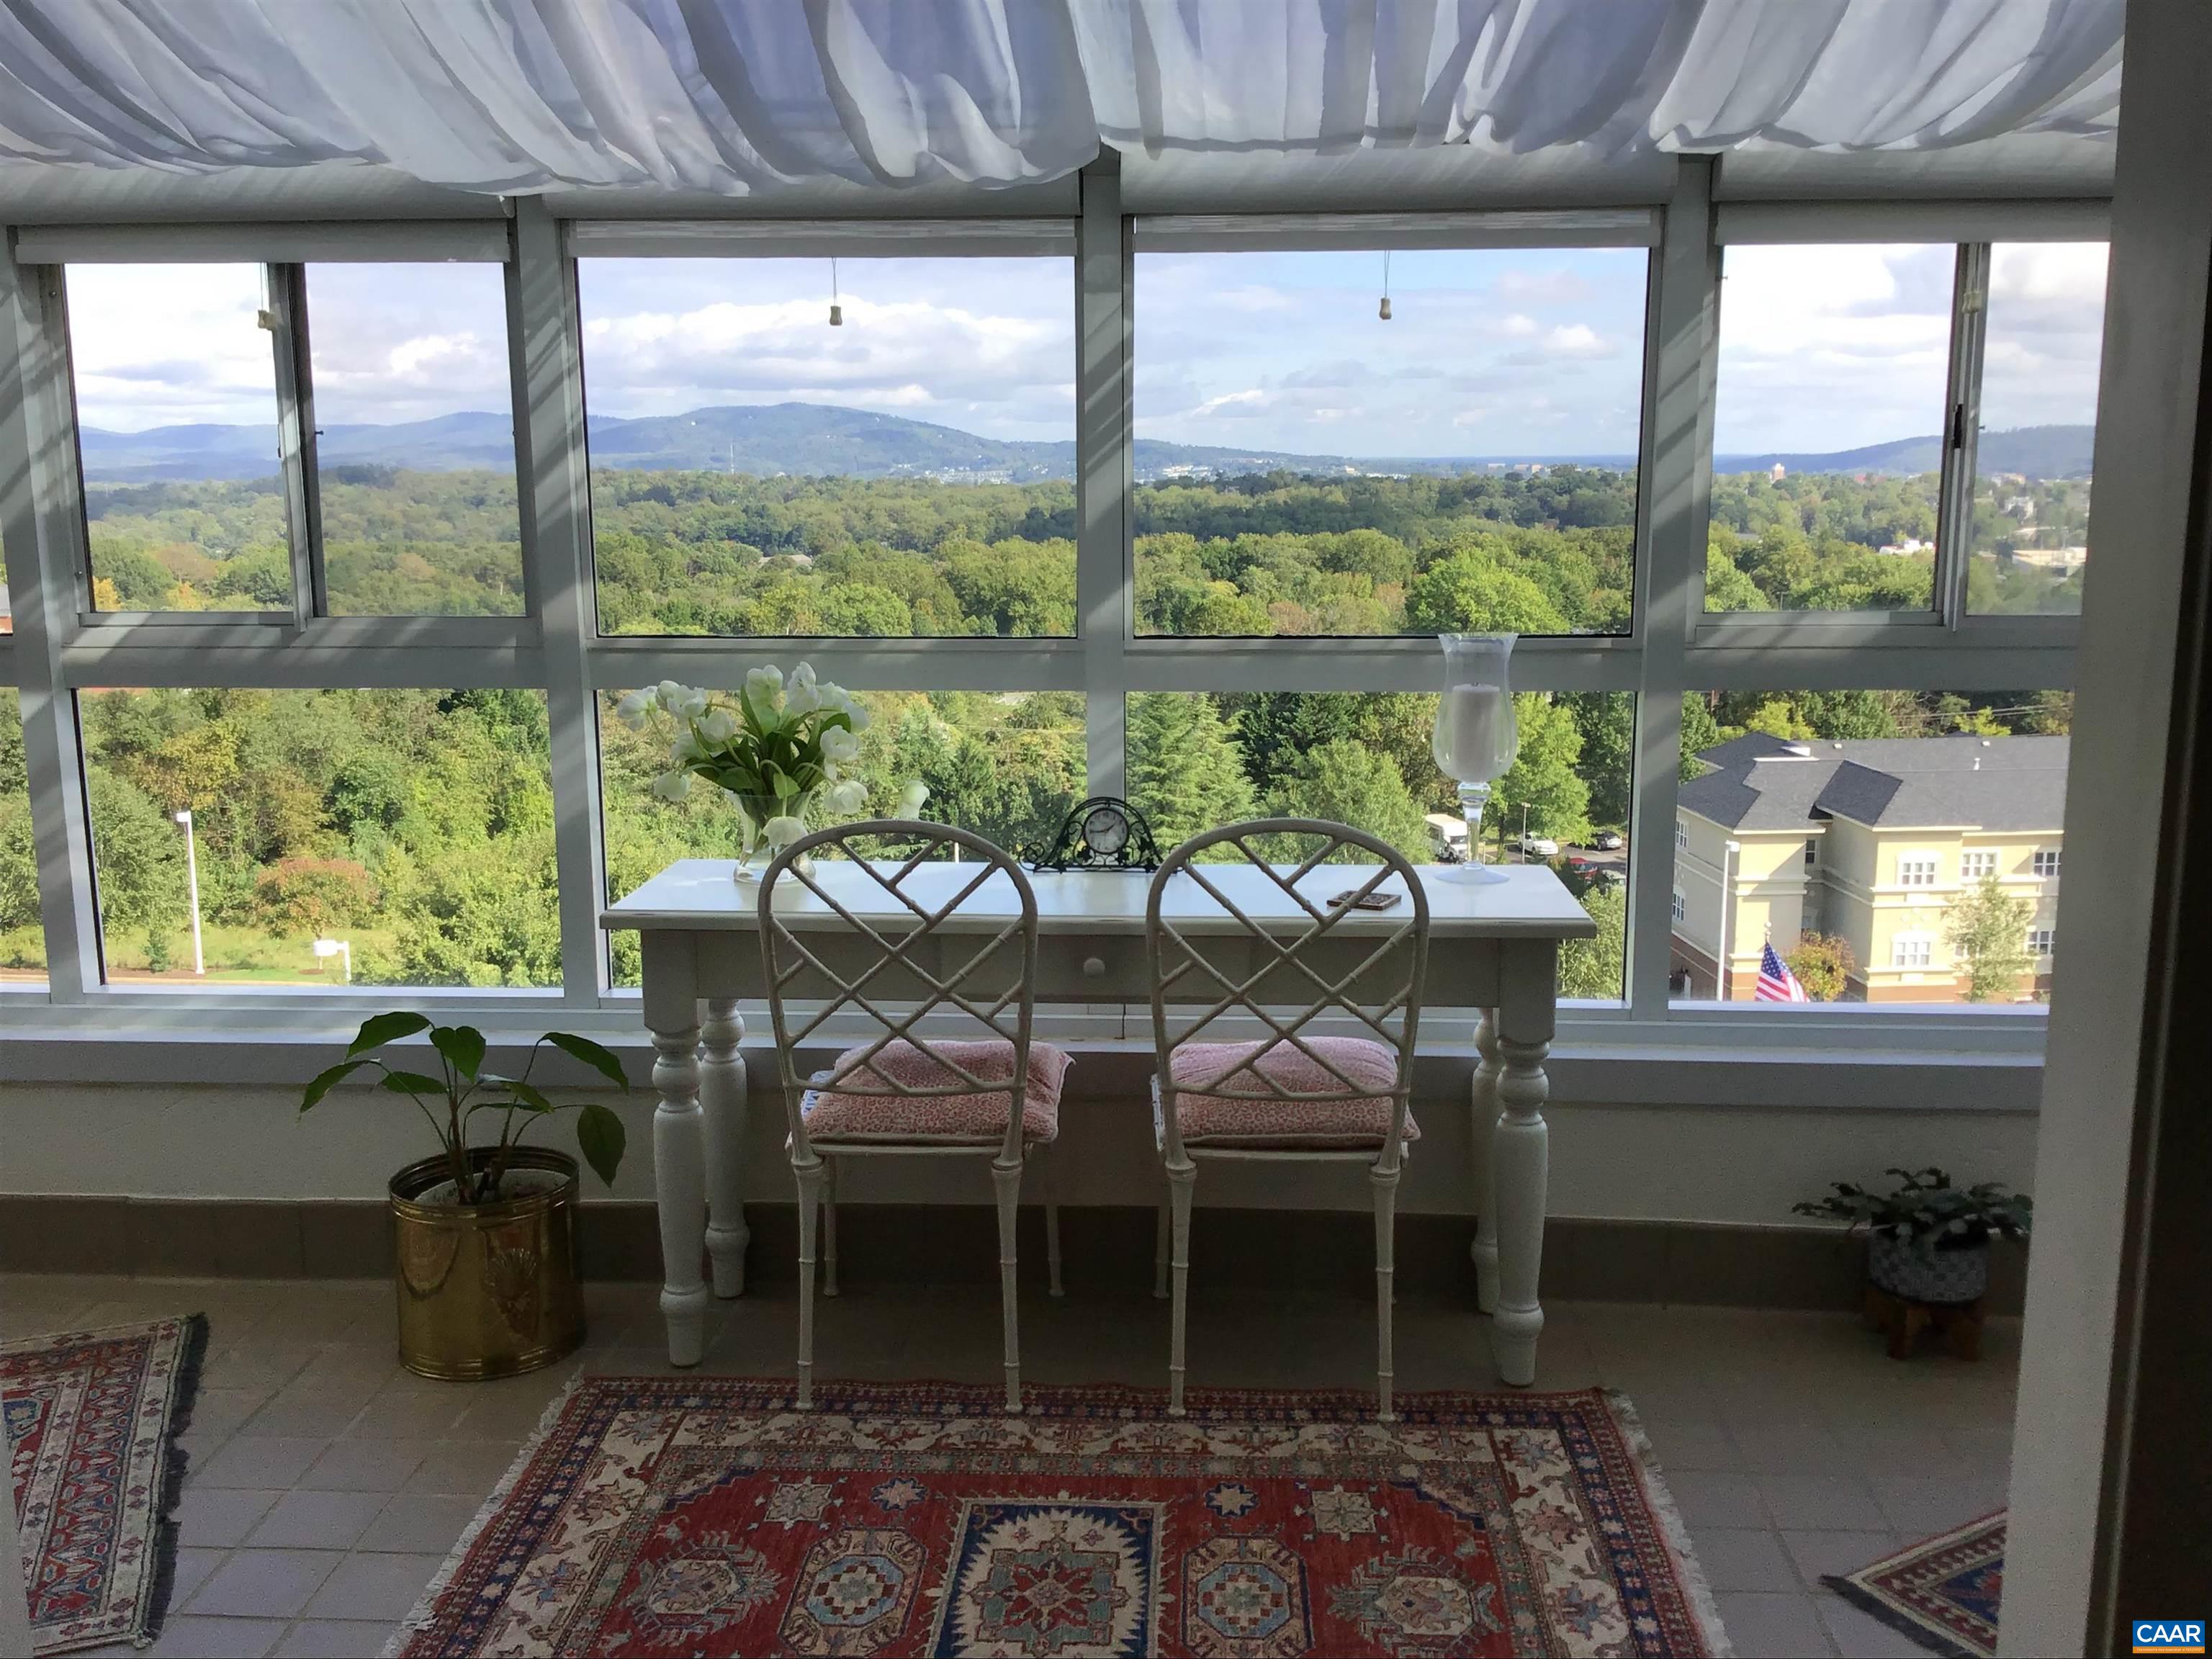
point(1910, 950)
point(415, 439)
point(22, 940)
point(1304, 465)
point(1827, 446)
point(1872, 769)
point(1009, 767)
point(1195, 762)
point(2041, 342)
point(757, 471)
point(381, 837)
point(2039, 942)
point(1322, 482)
point(176, 405)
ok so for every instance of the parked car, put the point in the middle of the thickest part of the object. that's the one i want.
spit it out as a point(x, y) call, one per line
point(1542, 847)
point(1607, 841)
point(1581, 865)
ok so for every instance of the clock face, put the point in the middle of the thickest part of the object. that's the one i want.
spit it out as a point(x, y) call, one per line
point(1106, 831)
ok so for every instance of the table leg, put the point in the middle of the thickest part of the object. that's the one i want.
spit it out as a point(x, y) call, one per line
point(723, 1094)
point(1481, 1138)
point(679, 1174)
point(1519, 1154)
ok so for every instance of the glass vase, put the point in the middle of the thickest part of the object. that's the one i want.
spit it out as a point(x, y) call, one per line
point(754, 813)
point(1476, 735)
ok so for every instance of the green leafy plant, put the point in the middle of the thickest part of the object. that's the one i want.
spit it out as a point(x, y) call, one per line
point(464, 1089)
point(774, 750)
point(1927, 1211)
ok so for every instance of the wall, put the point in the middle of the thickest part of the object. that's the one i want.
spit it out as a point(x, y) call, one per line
point(1731, 1163)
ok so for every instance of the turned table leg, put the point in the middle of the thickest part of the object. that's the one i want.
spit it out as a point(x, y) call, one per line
point(679, 1142)
point(1481, 1136)
point(723, 1096)
point(1520, 1155)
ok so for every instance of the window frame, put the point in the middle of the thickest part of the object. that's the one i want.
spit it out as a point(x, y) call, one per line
point(1673, 645)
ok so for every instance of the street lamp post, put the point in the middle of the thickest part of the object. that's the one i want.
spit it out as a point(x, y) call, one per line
point(192, 887)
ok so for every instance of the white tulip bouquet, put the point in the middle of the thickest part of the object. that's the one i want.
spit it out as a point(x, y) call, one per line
point(777, 751)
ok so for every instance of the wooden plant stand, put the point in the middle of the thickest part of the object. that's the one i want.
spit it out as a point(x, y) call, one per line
point(1960, 1323)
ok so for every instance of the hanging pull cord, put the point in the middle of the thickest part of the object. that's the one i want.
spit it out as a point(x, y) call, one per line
point(1384, 310)
point(836, 311)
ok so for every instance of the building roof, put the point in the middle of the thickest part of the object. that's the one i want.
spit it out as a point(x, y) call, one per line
point(1991, 784)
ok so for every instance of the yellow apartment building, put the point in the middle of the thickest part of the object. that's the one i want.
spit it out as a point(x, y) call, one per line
point(1870, 839)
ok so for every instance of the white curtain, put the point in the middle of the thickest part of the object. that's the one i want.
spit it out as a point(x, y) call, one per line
point(741, 96)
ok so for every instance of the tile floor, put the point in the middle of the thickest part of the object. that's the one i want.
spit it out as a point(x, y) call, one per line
point(326, 1484)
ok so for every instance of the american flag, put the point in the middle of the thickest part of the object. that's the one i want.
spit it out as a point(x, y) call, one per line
point(1775, 983)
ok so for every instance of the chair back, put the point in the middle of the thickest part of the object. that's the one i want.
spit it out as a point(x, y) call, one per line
point(1211, 960)
point(903, 961)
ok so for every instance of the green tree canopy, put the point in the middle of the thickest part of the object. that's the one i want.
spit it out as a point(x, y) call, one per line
point(1185, 773)
point(1348, 782)
point(1988, 931)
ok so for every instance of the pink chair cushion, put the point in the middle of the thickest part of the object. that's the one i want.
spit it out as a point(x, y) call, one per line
point(1243, 1115)
point(843, 1114)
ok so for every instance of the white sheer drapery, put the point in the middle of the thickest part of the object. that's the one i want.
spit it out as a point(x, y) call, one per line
point(736, 97)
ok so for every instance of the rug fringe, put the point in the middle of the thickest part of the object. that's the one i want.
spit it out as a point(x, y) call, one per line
point(425, 1610)
point(184, 1392)
point(1698, 1592)
point(1903, 1623)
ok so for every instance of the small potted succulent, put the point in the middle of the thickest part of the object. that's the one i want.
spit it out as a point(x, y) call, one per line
point(1926, 1240)
point(485, 1230)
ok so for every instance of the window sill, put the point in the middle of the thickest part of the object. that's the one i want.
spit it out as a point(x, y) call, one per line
point(1988, 1060)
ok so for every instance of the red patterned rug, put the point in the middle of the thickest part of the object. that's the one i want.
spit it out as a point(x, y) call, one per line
point(93, 1418)
point(1943, 1592)
point(702, 1516)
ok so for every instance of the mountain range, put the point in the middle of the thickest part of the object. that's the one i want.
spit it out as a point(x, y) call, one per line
point(823, 439)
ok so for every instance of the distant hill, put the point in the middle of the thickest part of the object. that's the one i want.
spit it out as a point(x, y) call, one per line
point(2036, 452)
point(823, 439)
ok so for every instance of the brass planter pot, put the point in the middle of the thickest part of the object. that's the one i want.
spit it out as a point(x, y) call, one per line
point(487, 1289)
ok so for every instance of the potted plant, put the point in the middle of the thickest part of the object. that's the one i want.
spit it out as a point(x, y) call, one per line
point(777, 751)
point(485, 1231)
point(1928, 1241)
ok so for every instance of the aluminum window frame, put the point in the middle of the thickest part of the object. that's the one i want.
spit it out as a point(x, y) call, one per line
point(1672, 646)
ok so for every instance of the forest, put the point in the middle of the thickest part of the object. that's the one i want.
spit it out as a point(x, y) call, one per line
point(417, 826)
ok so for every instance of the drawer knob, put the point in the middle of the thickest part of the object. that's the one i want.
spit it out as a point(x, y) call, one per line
point(1094, 967)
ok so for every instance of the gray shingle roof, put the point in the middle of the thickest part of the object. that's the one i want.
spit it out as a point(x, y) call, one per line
point(1998, 784)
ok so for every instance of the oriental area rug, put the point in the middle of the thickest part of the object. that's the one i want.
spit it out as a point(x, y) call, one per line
point(704, 1515)
point(1943, 1592)
point(93, 1418)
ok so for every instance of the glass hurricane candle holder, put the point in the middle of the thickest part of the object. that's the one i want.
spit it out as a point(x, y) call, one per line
point(1476, 734)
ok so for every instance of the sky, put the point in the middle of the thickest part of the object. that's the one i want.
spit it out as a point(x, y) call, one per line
point(1833, 347)
point(1494, 352)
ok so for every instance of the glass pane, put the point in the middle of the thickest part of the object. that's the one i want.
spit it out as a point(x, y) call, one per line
point(2039, 360)
point(1009, 766)
point(1198, 761)
point(1891, 846)
point(22, 941)
point(395, 837)
point(176, 409)
point(1828, 430)
point(1306, 466)
point(757, 471)
point(414, 440)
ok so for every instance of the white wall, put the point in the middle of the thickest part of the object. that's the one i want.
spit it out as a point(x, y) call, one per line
point(1730, 1163)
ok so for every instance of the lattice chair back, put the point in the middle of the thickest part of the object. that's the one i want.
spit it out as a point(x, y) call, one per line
point(926, 960)
point(1212, 964)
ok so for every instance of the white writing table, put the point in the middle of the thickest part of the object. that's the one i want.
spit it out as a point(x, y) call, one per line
point(1492, 947)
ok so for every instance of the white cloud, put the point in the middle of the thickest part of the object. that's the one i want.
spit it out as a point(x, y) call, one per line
point(1518, 325)
point(1577, 340)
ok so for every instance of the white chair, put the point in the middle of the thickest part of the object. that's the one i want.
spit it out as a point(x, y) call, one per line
point(1294, 1095)
point(991, 1095)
